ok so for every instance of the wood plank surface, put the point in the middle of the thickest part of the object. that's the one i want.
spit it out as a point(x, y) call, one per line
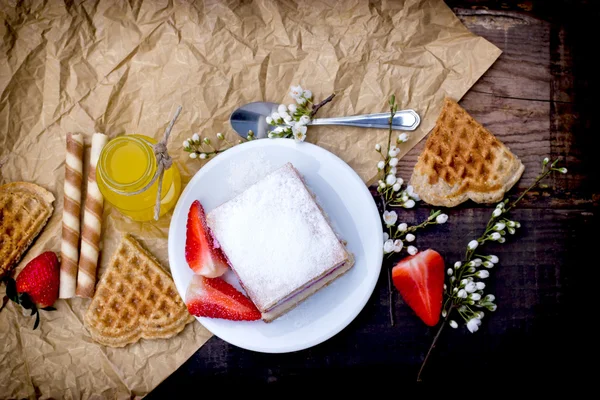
point(538, 99)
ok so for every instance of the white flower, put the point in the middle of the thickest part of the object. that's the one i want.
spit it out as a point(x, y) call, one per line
point(404, 197)
point(402, 227)
point(488, 264)
point(393, 171)
point(398, 245)
point(495, 236)
point(480, 314)
point(299, 130)
point(444, 313)
point(462, 294)
point(473, 244)
point(296, 91)
point(452, 279)
point(293, 108)
point(475, 296)
point(500, 205)
point(562, 170)
point(517, 224)
point(441, 219)
point(499, 226)
point(299, 136)
point(220, 136)
point(288, 120)
point(453, 324)
point(394, 151)
point(482, 274)
point(282, 109)
point(457, 265)
point(494, 259)
point(304, 120)
point(501, 240)
point(390, 217)
point(275, 115)
point(412, 250)
point(409, 204)
point(393, 161)
point(492, 307)
point(388, 246)
point(511, 224)
point(470, 287)
point(301, 101)
point(449, 271)
point(464, 281)
point(477, 262)
point(307, 93)
point(473, 325)
point(380, 165)
point(410, 237)
point(284, 115)
point(386, 236)
point(546, 161)
point(511, 231)
point(196, 138)
point(202, 156)
point(390, 179)
point(381, 184)
point(411, 192)
point(445, 287)
point(270, 135)
point(279, 129)
point(480, 285)
point(396, 187)
point(269, 120)
point(454, 290)
point(193, 155)
point(403, 138)
point(489, 298)
point(377, 147)
point(186, 144)
point(497, 212)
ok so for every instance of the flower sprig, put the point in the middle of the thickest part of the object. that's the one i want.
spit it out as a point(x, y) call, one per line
point(464, 291)
point(292, 120)
point(203, 148)
point(392, 195)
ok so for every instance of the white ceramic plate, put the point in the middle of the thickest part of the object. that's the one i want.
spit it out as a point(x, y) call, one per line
point(352, 211)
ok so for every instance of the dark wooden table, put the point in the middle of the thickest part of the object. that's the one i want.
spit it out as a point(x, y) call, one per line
point(537, 98)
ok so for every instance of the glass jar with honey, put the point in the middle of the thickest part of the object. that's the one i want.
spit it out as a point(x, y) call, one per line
point(127, 163)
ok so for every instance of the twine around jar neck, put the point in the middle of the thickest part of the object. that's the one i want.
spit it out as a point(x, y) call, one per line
point(163, 163)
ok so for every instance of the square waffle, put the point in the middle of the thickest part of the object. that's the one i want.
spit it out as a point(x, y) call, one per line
point(462, 160)
point(24, 211)
point(135, 299)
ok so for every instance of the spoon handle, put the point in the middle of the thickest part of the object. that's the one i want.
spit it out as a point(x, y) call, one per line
point(406, 120)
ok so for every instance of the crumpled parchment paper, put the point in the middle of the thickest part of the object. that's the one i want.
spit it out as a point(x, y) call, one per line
point(123, 67)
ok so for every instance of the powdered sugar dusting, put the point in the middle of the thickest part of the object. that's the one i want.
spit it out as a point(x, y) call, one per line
point(243, 173)
point(275, 237)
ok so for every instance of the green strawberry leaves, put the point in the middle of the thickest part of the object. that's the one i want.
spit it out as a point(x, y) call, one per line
point(23, 299)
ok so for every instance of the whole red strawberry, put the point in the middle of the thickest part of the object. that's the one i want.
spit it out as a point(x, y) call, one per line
point(36, 285)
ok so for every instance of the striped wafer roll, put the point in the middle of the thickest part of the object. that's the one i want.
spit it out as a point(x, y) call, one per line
point(92, 224)
point(69, 248)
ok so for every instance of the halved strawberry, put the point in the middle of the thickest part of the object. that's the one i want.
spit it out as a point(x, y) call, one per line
point(215, 298)
point(200, 252)
point(420, 281)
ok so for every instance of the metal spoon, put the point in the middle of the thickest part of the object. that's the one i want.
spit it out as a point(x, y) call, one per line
point(252, 117)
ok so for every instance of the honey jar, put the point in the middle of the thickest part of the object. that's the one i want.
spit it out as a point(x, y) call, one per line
point(127, 164)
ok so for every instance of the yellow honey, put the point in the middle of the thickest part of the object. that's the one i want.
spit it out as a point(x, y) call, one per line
point(127, 163)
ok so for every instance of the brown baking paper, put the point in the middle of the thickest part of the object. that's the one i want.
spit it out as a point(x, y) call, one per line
point(124, 67)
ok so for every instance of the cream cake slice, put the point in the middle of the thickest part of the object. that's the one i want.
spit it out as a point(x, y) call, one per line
point(279, 242)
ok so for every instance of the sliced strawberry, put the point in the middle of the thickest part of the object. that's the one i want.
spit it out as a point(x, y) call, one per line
point(420, 281)
point(215, 298)
point(200, 252)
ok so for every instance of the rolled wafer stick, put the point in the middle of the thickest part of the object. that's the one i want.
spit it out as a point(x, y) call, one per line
point(92, 224)
point(69, 248)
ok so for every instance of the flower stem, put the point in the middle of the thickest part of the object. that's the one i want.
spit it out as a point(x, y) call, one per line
point(316, 107)
point(390, 299)
point(537, 182)
point(433, 344)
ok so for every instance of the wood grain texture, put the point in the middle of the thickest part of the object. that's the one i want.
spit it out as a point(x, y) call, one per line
point(539, 99)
